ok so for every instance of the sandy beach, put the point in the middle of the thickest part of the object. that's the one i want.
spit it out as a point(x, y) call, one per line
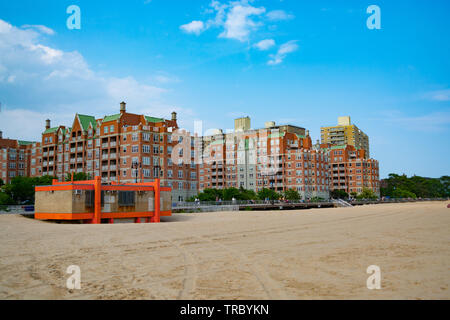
point(308, 254)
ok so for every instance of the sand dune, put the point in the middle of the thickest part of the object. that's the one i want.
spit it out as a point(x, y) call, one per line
point(311, 254)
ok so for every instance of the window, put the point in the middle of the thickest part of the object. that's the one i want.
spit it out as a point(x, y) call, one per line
point(135, 149)
point(126, 198)
point(111, 129)
point(146, 148)
point(105, 130)
point(146, 173)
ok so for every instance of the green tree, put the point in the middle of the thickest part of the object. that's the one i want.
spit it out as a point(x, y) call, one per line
point(2, 183)
point(5, 199)
point(396, 185)
point(339, 194)
point(80, 176)
point(367, 194)
point(230, 193)
point(400, 193)
point(268, 193)
point(292, 195)
point(247, 195)
point(21, 189)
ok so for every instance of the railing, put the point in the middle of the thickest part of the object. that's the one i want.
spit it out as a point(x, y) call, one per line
point(16, 209)
point(187, 205)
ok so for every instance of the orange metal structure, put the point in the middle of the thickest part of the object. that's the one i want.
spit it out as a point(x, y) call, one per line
point(97, 216)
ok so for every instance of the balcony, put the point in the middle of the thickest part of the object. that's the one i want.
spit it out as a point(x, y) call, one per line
point(105, 168)
point(72, 150)
point(51, 153)
point(79, 160)
point(72, 160)
point(80, 149)
point(105, 145)
point(112, 144)
point(105, 156)
point(80, 170)
point(113, 155)
point(112, 168)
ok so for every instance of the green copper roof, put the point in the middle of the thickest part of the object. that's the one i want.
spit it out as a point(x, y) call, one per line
point(338, 147)
point(217, 142)
point(114, 117)
point(277, 135)
point(154, 120)
point(299, 136)
point(51, 130)
point(24, 143)
point(86, 120)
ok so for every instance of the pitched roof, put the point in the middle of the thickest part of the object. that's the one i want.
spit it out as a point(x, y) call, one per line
point(86, 120)
point(277, 135)
point(112, 118)
point(338, 147)
point(51, 130)
point(154, 120)
point(24, 143)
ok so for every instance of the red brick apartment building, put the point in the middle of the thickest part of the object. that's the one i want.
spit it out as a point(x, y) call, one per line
point(109, 146)
point(351, 171)
point(275, 157)
point(14, 158)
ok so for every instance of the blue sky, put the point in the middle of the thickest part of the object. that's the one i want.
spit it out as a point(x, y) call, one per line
point(298, 62)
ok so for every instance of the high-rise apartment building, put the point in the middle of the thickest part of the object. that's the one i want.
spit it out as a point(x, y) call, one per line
point(122, 147)
point(345, 133)
point(351, 171)
point(275, 157)
point(14, 158)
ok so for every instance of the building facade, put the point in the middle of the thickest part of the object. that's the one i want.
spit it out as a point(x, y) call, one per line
point(123, 147)
point(14, 158)
point(351, 171)
point(274, 157)
point(345, 133)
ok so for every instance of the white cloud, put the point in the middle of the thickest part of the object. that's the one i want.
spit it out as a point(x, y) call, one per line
point(237, 19)
point(40, 28)
point(283, 51)
point(195, 27)
point(39, 81)
point(432, 122)
point(438, 95)
point(278, 15)
point(239, 24)
point(264, 45)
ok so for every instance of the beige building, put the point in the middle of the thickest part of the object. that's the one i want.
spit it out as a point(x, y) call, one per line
point(275, 157)
point(346, 133)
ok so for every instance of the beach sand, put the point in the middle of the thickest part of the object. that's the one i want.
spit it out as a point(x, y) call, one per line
point(306, 254)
